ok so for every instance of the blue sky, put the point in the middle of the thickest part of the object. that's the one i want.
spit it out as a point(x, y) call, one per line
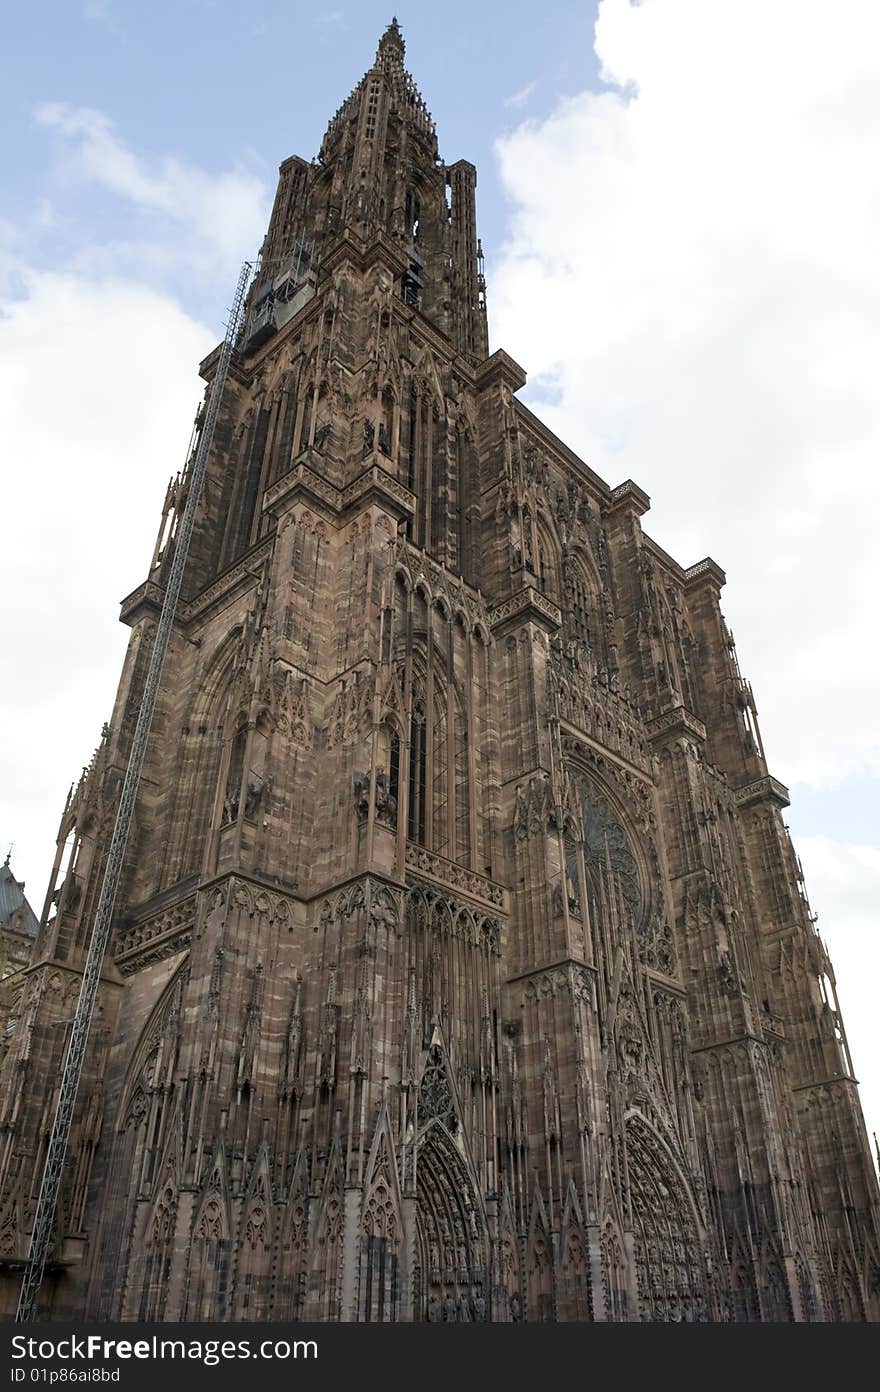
point(682, 255)
point(244, 86)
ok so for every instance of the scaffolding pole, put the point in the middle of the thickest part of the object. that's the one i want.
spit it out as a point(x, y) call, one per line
point(71, 1072)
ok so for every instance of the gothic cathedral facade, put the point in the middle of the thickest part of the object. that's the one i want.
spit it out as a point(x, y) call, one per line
point(462, 967)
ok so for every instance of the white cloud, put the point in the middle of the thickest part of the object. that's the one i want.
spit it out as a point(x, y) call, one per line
point(201, 217)
point(693, 270)
point(519, 98)
point(100, 389)
point(100, 384)
point(692, 282)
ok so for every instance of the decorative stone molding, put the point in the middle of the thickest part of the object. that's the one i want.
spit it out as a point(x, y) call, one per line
point(706, 569)
point(439, 911)
point(146, 599)
point(377, 485)
point(450, 875)
point(528, 605)
point(440, 584)
point(575, 979)
point(765, 789)
point(628, 495)
point(302, 480)
point(672, 724)
point(242, 571)
point(149, 597)
point(156, 936)
point(501, 367)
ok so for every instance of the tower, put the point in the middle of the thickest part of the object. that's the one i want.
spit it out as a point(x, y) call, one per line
point(462, 967)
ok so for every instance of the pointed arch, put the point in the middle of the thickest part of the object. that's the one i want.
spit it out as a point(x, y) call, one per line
point(547, 560)
point(451, 1224)
point(323, 1300)
point(510, 1273)
point(210, 1247)
point(580, 609)
point(254, 1267)
point(670, 1279)
point(290, 1292)
point(200, 759)
point(381, 1232)
point(159, 1234)
point(540, 1301)
point(745, 1308)
point(575, 1296)
point(775, 1298)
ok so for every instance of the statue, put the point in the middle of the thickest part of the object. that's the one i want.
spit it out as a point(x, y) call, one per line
point(253, 797)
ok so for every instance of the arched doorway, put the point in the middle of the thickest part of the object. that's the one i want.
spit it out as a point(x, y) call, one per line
point(669, 1268)
point(453, 1253)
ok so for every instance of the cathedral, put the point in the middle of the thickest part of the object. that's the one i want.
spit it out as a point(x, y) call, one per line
point(462, 968)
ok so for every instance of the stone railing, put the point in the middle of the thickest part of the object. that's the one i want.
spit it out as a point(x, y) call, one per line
point(160, 934)
point(527, 603)
point(677, 721)
point(451, 875)
point(765, 789)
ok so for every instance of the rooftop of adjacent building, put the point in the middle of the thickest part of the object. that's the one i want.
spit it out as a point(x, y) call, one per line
point(15, 911)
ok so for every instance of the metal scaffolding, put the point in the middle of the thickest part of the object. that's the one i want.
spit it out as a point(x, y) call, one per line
point(71, 1072)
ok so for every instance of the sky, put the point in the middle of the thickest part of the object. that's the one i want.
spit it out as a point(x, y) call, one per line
point(679, 202)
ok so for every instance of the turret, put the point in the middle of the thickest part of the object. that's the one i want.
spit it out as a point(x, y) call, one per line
point(379, 174)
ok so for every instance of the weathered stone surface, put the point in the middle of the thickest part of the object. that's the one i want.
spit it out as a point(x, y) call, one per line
point(462, 968)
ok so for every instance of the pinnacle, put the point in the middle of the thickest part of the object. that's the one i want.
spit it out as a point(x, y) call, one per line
point(391, 45)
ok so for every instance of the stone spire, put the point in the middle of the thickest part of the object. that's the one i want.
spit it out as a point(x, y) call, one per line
point(392, 49)
point(379, 174)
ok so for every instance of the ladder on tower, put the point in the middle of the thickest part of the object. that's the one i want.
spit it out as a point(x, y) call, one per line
point(71, 1072)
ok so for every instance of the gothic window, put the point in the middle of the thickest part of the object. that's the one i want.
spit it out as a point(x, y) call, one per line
point(412, 214)
point(440, 833)
point(306, 427)
point(439, 480)
point(248, 505)
point(386, 424)
point(290, 1300)
point(745, 1297)
point(580, 606)
point(777, 1308)
point(283, 457)
point(232, 797)
point(545, 567)
point(413, 482)
point(417, 770)
point(539, 1272)
point(575, 1278)
point(159, 1247)
point(209, 1254)
point(379, 1259)
point(668, 1270)
point(848, 1300)
point(614, 1274)
point(324, 1298)
point(254, 1263)
point(461, 751)
point(806, 1290)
